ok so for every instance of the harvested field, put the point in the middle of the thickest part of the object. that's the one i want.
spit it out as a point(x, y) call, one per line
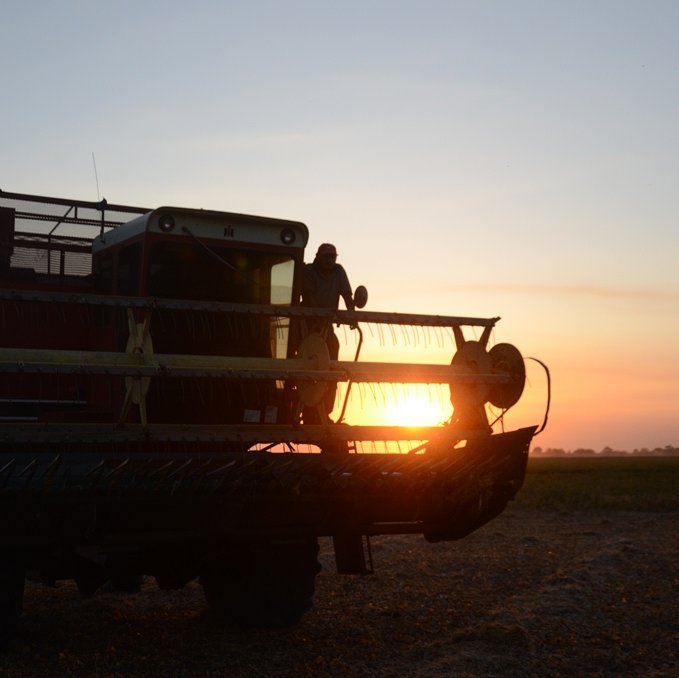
point(576, 578)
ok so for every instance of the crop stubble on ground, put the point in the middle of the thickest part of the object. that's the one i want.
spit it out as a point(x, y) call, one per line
point(533, 593)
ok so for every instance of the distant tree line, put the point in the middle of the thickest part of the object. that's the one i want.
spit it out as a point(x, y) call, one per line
point(667, 451)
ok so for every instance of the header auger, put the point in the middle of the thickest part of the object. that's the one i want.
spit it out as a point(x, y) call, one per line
point(161, 412)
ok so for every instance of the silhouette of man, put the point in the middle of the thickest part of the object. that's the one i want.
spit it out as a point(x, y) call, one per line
point(325, 281)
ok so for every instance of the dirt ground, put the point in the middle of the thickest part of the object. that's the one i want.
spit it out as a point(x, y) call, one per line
point(533, 593)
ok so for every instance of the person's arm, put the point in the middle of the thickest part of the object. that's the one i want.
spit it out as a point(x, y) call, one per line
point(345, 290)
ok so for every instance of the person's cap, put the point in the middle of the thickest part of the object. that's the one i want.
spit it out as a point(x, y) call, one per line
point(326, 248)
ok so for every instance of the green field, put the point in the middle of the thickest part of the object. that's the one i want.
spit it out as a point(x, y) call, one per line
point(633, 483)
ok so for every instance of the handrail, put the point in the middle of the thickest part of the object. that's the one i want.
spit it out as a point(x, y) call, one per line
point(100, 205)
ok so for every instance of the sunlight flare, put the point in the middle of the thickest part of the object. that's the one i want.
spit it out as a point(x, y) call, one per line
point(402, 405)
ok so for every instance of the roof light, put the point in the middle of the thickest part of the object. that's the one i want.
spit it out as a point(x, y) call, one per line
point(166, 223)
point(288, 236)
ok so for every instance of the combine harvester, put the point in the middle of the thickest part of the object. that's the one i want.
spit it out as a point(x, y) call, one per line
point(161, 413)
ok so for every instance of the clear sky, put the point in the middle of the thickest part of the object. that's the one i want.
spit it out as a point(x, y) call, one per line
point(516, 159)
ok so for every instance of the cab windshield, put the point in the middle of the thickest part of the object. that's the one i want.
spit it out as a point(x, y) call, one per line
point(187, 270)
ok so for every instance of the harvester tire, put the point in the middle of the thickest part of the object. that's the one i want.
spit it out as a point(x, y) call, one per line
point(12, 580)
point(263, 585)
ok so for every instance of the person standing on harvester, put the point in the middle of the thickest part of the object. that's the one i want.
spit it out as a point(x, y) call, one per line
point(325, 281)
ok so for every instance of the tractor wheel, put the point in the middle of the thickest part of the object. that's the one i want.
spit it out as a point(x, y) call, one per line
point(262, 585)
point(12, 579)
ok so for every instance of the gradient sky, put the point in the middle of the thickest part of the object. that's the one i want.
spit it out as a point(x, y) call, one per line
point(516, 159)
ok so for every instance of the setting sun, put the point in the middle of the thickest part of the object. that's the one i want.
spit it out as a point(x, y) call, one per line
point(411, 405)
point(417, 410)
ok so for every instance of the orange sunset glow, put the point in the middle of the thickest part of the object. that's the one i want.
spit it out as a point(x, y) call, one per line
point(392, 404)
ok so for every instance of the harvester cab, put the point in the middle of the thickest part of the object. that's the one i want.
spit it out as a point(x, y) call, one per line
point(194, 264)
point(160, 386)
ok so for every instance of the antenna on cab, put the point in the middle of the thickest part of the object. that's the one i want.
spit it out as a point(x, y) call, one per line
point(96, 176)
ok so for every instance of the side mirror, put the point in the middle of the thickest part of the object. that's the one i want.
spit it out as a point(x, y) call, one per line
point(360, 296)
